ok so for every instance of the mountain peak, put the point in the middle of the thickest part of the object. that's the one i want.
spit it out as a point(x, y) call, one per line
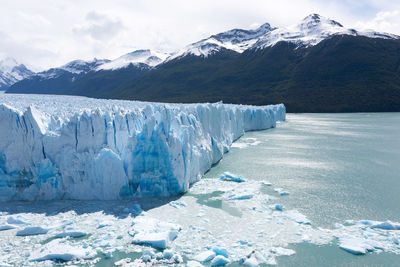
point(7, 64)
point(316, 20)
point(11, 72)
point(138, 57)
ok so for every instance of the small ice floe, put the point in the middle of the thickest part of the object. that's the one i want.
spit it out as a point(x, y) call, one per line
point(205, 256)
point(220, 251)
point(245, 142)
point(388, 225)
point(123, 262)
point(19, 220)
point(220, 261)
point(73, 234)
point(61, 250)
point(241, 197)
point(230, 177)
point(167, 254)
point(279, 251)
point(103, 224)
point(151, 232)
point(296, 216)
point(149, 258)
point(177, 204)
point(281, 191)
point(254, 259)
point(278, 207)
point(355, 245)
point(266, 183)
point(6, 227)
point(32, 231)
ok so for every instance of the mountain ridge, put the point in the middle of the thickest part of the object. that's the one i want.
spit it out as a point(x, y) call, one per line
point(315, 66)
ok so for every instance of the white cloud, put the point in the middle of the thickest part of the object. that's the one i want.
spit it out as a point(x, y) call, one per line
point(99, 26)
point(50, 33)
point(384, 21)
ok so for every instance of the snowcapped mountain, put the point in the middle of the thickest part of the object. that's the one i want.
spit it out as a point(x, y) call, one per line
point(237, 40)
point(149, 57)
point(11, 72)
point(75, 67)
point(309, 32)
point(312, 30)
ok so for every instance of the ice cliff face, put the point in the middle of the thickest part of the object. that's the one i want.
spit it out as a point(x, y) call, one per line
point(55, 147)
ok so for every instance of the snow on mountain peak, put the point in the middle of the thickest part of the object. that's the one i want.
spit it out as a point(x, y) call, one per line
point(80, 66)
point(7, 64)
point(310, 31)
point(11, 72)
point(143, 56)
point(237, 40)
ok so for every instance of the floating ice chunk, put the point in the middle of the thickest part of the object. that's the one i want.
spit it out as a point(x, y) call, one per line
point(251, 262)
point(6, 227)
point(227, 176)
point(177, 258)
point(123, 262)
point(146, 258)
point(279, 251)
point(32, 231)
point(388, 225)
point(221, 251)
point(241, 197)
point(205, 256)
point(296, 216)
point(355, 245)
point(253, 259)
point(12, 220)
point(62, 251)
point(281, 192)
point(74, 234)
point(177, 204)
point(266, 183)
point(220, 261)
point(279, 207)
point(156, 240)
point(151, 232)
point(167, 254)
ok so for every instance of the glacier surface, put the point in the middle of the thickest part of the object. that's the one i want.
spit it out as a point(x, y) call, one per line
point(59, 147)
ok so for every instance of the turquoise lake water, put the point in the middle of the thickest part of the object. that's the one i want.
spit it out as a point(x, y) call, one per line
point(336, 167)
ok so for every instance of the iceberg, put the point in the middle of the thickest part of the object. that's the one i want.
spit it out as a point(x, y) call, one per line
point(230, 177)
point(62, 251)
point(153, 233)
point(60, 147)
point(32, 231)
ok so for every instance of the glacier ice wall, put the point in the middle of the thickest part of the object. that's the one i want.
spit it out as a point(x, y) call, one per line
point(54, 147)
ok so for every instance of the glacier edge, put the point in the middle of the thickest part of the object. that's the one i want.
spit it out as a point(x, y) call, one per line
point(114, 150)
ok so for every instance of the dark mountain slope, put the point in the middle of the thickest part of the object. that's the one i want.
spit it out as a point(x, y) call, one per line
point(343, 73)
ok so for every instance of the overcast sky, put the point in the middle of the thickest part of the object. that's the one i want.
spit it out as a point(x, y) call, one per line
point(49, 33)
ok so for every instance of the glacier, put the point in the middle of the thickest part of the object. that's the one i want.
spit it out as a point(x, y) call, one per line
point(63, 147)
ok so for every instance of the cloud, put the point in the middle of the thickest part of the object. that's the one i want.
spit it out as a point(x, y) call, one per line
point(384, 21)
point(51, 33)
point(99, 26)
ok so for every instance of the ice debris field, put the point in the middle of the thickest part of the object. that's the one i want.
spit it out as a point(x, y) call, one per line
point(218, 221)
point(58, 147)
